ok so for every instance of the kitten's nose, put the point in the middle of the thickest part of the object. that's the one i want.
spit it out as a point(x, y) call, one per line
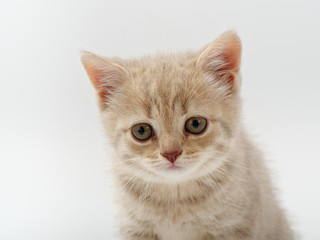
point(170, 148)
point(172, 156)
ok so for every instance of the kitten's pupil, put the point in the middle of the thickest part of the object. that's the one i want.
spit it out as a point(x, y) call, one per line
point(141, 130)
point(195, 123)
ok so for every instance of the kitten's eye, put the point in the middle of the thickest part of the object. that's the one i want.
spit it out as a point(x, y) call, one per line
point(142, 131)
point(195, 125)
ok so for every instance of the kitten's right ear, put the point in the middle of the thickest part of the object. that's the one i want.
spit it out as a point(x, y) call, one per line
point(222, 59)
point(105, 75)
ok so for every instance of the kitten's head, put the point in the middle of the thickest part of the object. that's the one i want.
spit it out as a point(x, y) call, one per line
point(170, 117)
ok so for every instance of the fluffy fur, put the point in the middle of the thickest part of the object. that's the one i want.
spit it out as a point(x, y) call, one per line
point(221, 189)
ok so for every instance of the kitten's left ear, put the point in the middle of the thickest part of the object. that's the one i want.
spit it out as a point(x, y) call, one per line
point(222, 59)
point(105, 75)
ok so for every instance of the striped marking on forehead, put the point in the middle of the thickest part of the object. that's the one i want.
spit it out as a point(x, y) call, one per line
point(165, 90)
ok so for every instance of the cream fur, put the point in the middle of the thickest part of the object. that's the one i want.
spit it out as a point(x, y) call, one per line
point(223, 190)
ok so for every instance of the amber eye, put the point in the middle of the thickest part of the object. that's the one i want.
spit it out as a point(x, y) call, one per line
point(196, 125)
point(142, 131)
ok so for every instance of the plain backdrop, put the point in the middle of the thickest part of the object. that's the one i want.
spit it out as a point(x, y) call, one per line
point(54, 172)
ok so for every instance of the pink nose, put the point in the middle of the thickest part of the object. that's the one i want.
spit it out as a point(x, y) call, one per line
point(171, 156)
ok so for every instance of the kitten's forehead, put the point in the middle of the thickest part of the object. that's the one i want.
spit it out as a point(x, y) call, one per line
point(165, 85)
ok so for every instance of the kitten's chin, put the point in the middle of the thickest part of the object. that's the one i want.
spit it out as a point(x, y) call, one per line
point(175, 172)
point(184, 171)
point(174, 167)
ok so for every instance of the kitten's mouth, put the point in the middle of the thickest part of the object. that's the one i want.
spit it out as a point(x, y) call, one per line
point(174, 167)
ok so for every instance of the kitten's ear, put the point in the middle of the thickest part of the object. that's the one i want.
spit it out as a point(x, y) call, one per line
point(222, 58)
point(105, 75)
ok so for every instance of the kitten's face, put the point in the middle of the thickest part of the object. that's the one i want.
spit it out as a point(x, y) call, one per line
point(169, 117)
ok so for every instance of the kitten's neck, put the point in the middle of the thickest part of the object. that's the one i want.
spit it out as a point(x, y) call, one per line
point(192, 191)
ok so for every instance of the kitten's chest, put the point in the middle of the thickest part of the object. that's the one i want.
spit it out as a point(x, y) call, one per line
point(178, 223)
point(178, 231)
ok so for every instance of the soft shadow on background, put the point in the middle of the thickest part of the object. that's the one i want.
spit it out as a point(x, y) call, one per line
point(54, 177)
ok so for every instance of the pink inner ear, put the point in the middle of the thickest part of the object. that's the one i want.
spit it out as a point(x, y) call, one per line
point(231, 58)
point(223, 55)
point(222, 58)
point(232, 54)
point(94, 74)
point(105, 76)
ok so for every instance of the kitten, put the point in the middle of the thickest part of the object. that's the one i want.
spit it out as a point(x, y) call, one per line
point(184, 167)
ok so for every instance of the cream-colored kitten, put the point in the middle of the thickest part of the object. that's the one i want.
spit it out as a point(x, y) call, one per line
point(184, 167)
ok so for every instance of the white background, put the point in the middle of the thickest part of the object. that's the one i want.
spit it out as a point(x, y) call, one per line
point(54, 177)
